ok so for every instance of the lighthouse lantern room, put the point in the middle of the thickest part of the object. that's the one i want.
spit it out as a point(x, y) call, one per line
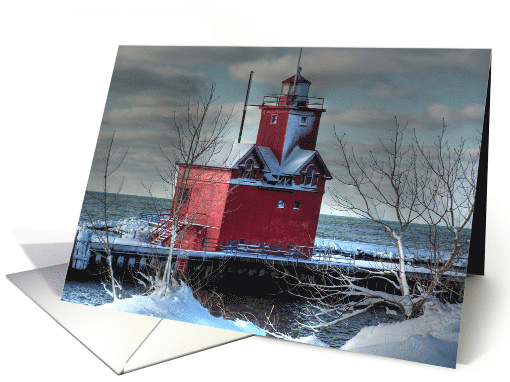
point(267, 193)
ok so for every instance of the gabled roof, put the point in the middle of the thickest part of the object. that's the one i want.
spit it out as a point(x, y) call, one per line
point(270, 159)
point(299, 158)
point(296, 160)
point(226, 155)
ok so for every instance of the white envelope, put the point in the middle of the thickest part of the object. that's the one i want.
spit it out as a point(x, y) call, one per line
point(123, 341)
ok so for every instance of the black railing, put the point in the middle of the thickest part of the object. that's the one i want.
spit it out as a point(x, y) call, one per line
point(312, 102)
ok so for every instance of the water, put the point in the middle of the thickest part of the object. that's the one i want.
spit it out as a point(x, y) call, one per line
point(284, 316)
point(122, 206)
point(330, 227)
point(365, 231)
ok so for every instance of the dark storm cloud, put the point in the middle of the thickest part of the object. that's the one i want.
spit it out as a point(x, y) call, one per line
point(202, 55)
point(150, 84)
point(377, 117)
point(157, 117)
point(373, 69)
point(139, 116)
point(169, 80)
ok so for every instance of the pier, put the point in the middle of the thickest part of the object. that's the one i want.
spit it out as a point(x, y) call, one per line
point(247, 267)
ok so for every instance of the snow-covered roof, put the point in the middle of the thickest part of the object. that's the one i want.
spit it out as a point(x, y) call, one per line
point(226, 154)
point(270, 159)
point(229, 154)
point(297, 159)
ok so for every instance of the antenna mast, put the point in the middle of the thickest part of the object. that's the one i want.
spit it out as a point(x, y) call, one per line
point(297, 73)
point(245, 106)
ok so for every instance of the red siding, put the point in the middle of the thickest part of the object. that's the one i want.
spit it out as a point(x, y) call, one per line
point(209, 187)
point(273, 134)
point(252, 213)
point(309, 141)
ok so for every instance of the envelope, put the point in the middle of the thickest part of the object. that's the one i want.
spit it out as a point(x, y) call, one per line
point(123, 341)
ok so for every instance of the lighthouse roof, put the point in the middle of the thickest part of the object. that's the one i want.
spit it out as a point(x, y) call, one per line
point(300, 79)
point(296, 160)
point(299, 158)
point(269, 158)
point(228, 154)
point(224, 155)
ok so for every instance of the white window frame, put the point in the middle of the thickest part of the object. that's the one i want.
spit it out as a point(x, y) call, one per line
point(281, 203)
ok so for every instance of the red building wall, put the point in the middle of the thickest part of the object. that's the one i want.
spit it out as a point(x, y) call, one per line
point(252, 213)
point(209, 187)
point(309, 141)
point(273, 134)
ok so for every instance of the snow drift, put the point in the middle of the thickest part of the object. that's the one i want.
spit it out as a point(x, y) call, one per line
point(179, 304)
point(431, 338)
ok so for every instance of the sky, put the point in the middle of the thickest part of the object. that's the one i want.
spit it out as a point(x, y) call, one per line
point(363, 90)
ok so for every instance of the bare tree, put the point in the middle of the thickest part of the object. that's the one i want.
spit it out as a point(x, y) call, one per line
point(193, 141)
point(108, 201)
point(402, 184)
point(387, 186)
point(448, 200)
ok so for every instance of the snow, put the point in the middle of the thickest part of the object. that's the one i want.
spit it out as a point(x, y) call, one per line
point(431, 338)
point(311, 340)
point(225, 154)
point(296, 160)
point(270, 159)
point(375, 250)
point(179, 304)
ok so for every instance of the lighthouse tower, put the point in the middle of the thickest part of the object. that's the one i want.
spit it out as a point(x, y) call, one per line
point(266, 195)
point(290, 119)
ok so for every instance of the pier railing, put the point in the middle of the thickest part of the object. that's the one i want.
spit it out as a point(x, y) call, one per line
point(256, 248)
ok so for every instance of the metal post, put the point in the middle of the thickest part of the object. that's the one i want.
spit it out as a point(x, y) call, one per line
point(245, 106)
point(297, 74)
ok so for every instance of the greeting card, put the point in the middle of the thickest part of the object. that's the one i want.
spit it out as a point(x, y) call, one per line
point(318, 195)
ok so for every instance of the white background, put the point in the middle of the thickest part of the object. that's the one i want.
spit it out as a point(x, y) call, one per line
point(56, 62)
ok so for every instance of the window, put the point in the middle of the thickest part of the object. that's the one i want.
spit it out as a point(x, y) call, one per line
point(311, 177)
point(281, 204)
point(303, 121)
point(297, 205)
point(274, 117)
point(249, 172)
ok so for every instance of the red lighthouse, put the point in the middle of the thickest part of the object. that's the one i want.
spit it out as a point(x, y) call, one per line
point(268, 193)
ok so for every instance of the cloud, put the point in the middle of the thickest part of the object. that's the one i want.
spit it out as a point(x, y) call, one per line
point(197, 55)
point(389, 91)
point(372, 116)
point(470, 113)
point(348, 67)
point(154, 82)
point(369, 116)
